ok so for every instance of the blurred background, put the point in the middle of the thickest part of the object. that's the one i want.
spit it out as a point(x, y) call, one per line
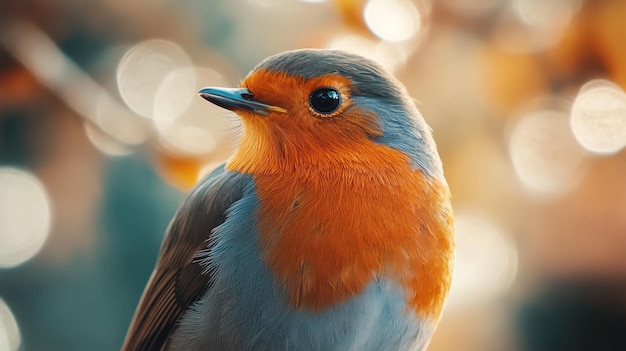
point(102, 134)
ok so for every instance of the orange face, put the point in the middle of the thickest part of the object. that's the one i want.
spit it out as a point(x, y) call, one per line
point(293, 92)
point(302, 135)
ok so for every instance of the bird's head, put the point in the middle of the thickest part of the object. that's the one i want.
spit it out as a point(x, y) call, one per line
point(318, 107)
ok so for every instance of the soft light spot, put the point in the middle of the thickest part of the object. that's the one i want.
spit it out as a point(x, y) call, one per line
point(485, 263)
point(389, 55)
point(143, 69)
point(24, 216)
point(188, 140)
point(10, 338)
point(598, 117)
point(553, 14)
point(105, 144)
point(173, 96)
point(197, 129)
point(392, 20)
point(545, 154)
point(118, 121)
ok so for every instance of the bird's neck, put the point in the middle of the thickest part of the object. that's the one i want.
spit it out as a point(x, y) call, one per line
point(363, 211)
point(275, 152)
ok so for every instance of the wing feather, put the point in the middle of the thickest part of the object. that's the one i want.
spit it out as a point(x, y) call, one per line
point(179, 279)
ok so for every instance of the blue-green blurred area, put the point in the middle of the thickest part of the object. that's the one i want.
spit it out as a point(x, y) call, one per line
point(102, 135)
point(86, 300)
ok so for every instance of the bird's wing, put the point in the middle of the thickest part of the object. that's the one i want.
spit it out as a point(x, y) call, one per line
point(179, 279)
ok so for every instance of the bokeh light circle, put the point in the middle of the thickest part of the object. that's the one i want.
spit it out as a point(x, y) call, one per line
point(389, 55)
point(24, 216)
point(598, 117)
point(188, 125)
point(116, 120)
point(104, 143)
point(545, 155)
point(173, 96)
point(555, 14)
point(142, 70)
point(392, 20)
point(10, 338)
point(486, 261)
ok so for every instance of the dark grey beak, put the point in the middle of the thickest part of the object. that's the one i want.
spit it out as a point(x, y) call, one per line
point(237, 99)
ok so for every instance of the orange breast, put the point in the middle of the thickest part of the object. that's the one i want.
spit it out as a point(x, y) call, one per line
point(327, 230)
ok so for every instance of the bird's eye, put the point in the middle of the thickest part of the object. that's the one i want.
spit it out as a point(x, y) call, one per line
point(325, 100)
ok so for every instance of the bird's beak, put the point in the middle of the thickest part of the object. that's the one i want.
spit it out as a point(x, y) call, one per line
point(237, 99)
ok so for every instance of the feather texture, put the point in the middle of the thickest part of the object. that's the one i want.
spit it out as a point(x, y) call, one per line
point(178, 279)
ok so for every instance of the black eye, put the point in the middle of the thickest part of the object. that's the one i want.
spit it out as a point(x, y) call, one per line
point(325, 100)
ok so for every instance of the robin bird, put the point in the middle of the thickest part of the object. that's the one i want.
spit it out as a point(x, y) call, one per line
point(330, 228)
